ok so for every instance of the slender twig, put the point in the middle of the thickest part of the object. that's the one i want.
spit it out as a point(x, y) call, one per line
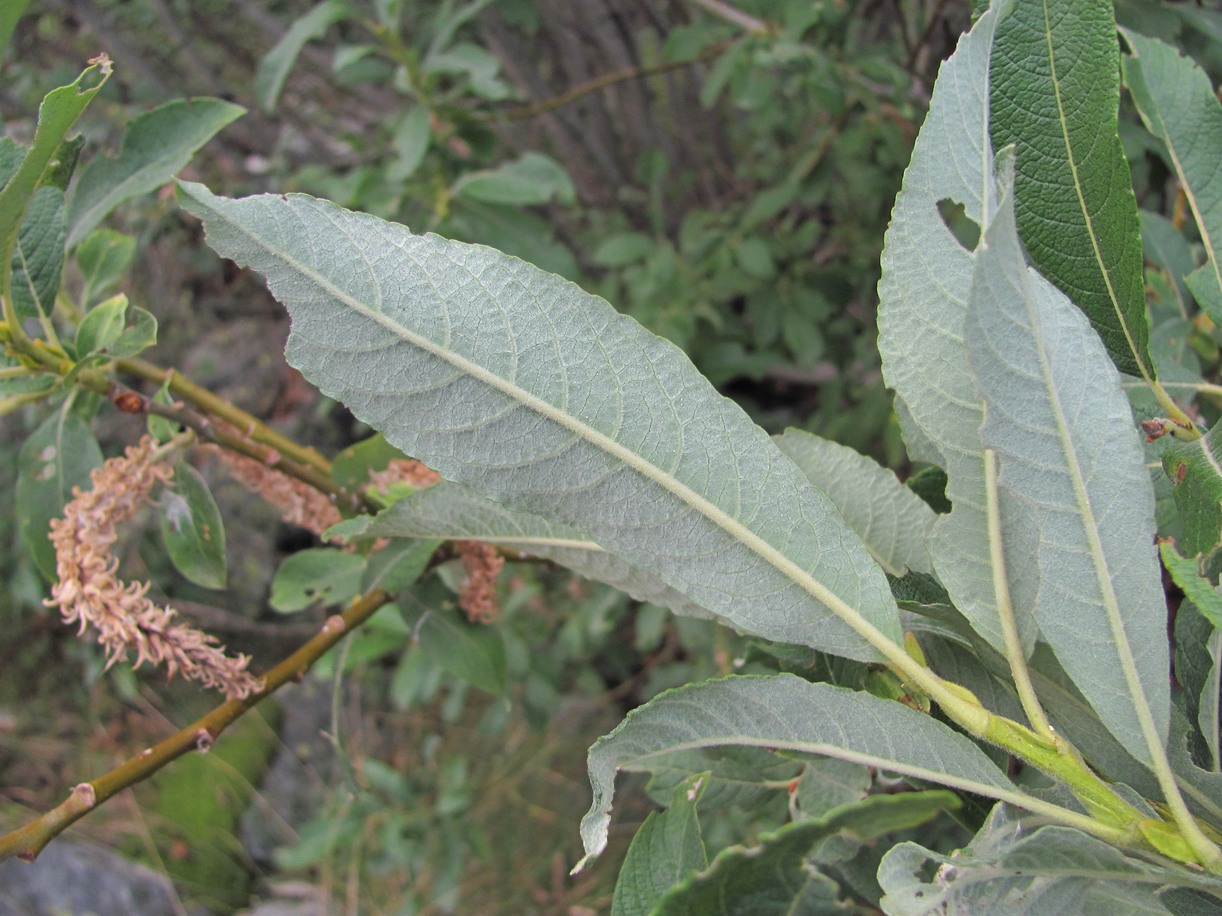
point(733, 15)
point(237, 440)
point(28, 841)
point(182, 387)
point(604, 81)
point(214, 419)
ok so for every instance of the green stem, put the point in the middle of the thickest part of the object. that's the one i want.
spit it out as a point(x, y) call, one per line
point(239, 431)
point(250, 426)
point(1187, 429)
point(1015, 655)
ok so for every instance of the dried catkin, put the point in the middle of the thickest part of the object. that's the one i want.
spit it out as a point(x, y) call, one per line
point(90, 593)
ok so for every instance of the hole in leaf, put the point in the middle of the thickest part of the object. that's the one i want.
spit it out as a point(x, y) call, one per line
point(965, 229)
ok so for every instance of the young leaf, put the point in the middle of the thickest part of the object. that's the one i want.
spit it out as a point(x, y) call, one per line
point(353, 465)
point(55, 458)
point(923, 294)
point(318, 574)
point(1077, 509)
point(666, 849)
point(1055, 91)
point(138, 337)
point(787, 872)
point(533, 179)
point(101, 326)
point(276, 64)
point(1048, 870)
point(785, 712)
point(38, 257)
point(410, 142)
point(520, 386)
point(103, 257)
point(1177, 103)
point(891, 519)
point(56, 115)
point(192, 528)
point(155, 146)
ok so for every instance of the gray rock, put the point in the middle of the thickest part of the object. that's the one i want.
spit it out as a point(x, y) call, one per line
point(83, 880)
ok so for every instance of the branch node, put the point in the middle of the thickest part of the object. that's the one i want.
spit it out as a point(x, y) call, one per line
point(84, 795)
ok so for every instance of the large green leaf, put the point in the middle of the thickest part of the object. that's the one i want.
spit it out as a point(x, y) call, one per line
point(155, 146)
point(57, 456)
point(193, 529)
point(448, 512)
point(666, 849)
point(1055, 91)
point(890, 519)
point(784, 712)
point(38, 256)
point(1176, 101)
point(522, 387)
point(923, 294)
point(788, 872)
point(1013, 870)
point(1077, 509)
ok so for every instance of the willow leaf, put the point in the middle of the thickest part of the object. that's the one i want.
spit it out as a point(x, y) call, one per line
point(923, 294)
point(1195, 470)
point(155, 145)
point(891, 520)
point(1009, 868)
point(522, 387)
point(790, 871)
point(1055, 93)
point(1077, 509)
point(56, 115)
point(1176, 101)
point(785, 712)
point(449, 512)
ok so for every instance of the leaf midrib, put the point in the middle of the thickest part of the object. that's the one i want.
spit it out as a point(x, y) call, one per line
point(1090, 527)
point(879, 762)
point(1072, 162)
point(651, 472)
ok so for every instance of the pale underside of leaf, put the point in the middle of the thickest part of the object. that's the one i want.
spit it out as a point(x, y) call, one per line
point(520, 386)
point(789, 713)
point(1077, 507)
point(449, 512)
point(1008, 868)
point(1176, 100)
point(891, 520)
point(923, 296)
